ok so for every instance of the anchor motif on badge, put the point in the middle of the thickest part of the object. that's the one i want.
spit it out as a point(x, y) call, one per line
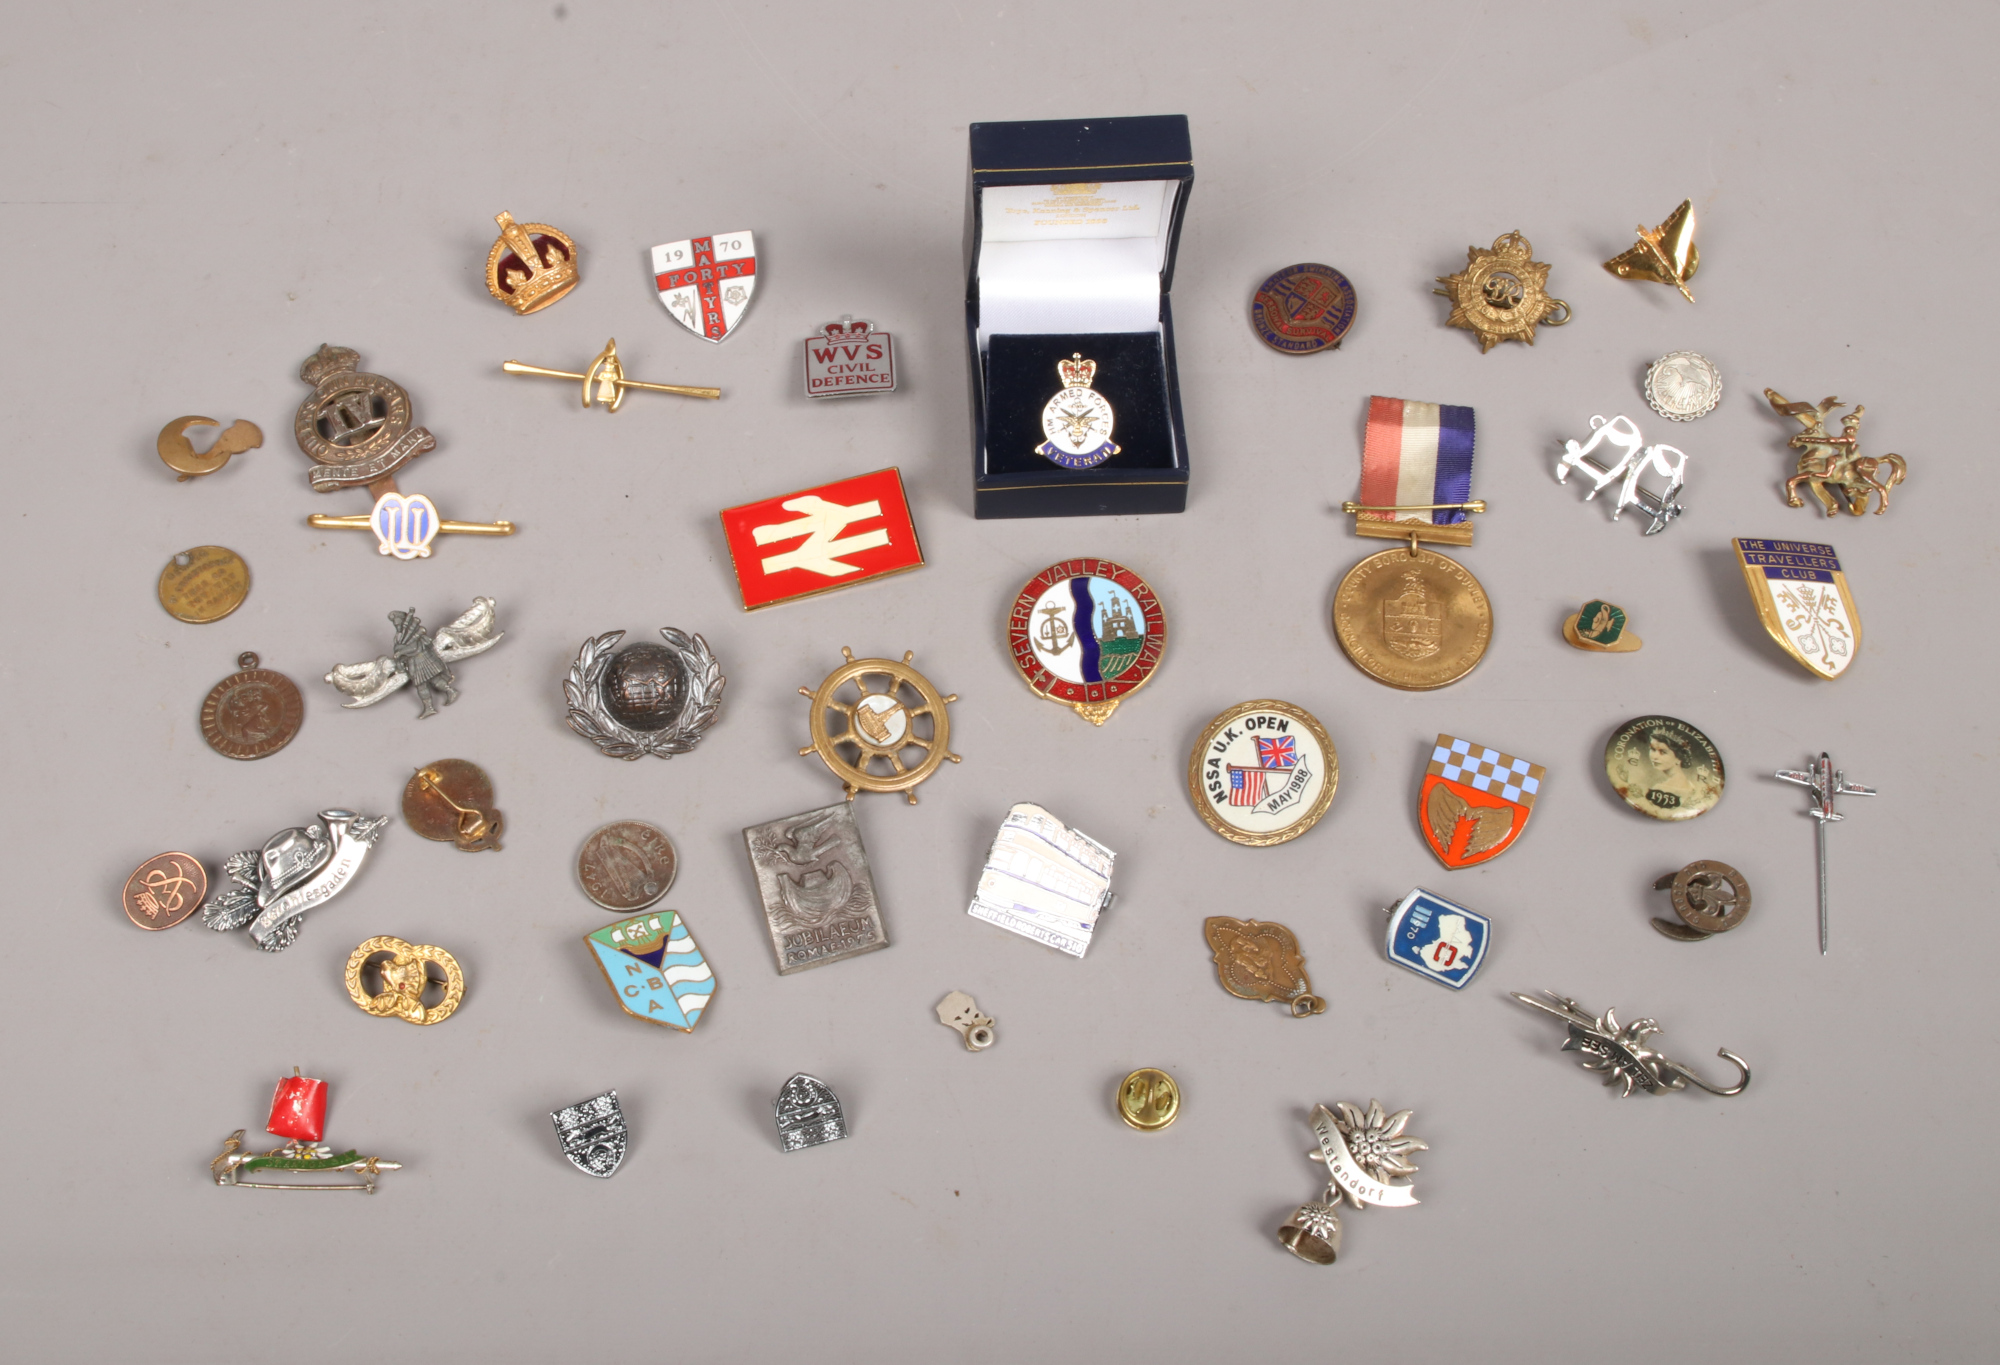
point(1087, 633)
point(1078, 419)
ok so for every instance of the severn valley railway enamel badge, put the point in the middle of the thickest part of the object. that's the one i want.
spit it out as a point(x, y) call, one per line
point(1087, 633)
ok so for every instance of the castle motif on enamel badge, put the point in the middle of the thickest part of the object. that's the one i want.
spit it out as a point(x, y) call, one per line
point(1077, 420)
point(655, 969)
point(1437, 939)
point(1087, 633)
point(1802, 599)
point(706, 282)
point(1475, 801)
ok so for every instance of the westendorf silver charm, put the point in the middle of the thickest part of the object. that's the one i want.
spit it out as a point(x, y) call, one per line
point(294, 871)
point(645, 698)
point(1620, 1055)
point(849, 357)
point(1362, 1151)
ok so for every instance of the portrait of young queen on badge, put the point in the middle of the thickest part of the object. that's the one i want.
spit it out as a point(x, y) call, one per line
point(1665, 769)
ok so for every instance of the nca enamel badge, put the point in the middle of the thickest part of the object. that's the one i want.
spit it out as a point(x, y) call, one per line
point(1435, 938)
point(849, 357)
point(1475, 801)
point(654, 968)
point(1802, 599)
point(706, 282)
point(818, 539)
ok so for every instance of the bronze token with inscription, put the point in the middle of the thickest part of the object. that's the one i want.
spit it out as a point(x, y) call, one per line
point(451, 801)
point(626, 866)
point(252, 713)
point(165, 889)
point(1412, 619)
point(204, 584)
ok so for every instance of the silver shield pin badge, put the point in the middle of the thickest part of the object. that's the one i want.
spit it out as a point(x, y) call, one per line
point(808, 1114)
point(592, 1134)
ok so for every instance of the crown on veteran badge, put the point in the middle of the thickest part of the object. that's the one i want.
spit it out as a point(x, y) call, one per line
point(530, 266)
point(1077, 372)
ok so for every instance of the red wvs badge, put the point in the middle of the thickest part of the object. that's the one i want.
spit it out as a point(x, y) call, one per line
point(818, 539)
point(1475, 801)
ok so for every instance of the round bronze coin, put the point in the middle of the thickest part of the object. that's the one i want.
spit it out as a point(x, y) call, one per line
point(442, 798)
point(1303, 309)
point(204, 584)
point(165, 889)
point(1412, 619)
point(1148, 1099)
point(626, 866)
point(251, 714)
point(1664, 768)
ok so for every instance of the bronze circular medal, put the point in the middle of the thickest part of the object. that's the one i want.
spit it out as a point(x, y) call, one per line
point(1412, 619)
point(626, 866)
point(1263, 773)
point(1303, 309)
point(451, 801)
point(1664, 768)
point(164, 890)
point(252, 713)
point(204, 584)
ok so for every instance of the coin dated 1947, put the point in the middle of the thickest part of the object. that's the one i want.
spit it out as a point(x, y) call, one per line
point(204, 584)
point(626, 866)
point(252, 713)
point(1412, 619)
point(1683, 385)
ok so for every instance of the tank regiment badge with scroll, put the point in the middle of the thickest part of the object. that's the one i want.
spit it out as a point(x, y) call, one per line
point(357, 430)
point(849, 357)
point(705, 283)
point(1502, 294)
point(530, 266)
point(1475, 801)
point(420, 659)
point(645, 698)
point(1087, 633)
point(1078, 419)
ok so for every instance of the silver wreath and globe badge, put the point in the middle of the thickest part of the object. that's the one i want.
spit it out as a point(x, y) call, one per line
point(645, 698)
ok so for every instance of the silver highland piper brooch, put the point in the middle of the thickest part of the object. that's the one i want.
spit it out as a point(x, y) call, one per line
point(1362, 1150)
point(420, 659)
point(1620, 1054)
point(296, 870)
point(645, 698)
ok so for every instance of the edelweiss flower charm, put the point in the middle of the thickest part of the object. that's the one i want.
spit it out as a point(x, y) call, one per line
point(1618, 1052)
point(1363, 1150)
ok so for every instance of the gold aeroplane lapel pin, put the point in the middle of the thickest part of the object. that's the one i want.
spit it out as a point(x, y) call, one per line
point(604, 379)
point(1665, 254)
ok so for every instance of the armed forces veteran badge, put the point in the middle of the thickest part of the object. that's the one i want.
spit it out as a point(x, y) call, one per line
point(1475, 801)
point(1087, 633)
point(1263, 772)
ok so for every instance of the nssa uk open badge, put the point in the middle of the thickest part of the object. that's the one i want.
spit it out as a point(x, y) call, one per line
point(1475, 801)
point(818, 539)
point(1437, 939)
point(1087, 633)
point(655, 969)
point(706, 282)
point(1802, 599)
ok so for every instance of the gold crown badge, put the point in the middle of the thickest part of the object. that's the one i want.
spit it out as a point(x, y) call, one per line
point(1077, 372)
point(530, 266)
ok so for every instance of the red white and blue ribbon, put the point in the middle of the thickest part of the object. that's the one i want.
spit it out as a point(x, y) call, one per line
point(1415, 454)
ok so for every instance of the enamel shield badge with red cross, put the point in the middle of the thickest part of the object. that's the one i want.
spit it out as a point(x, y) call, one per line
point(1475, 801)
point(706, 282)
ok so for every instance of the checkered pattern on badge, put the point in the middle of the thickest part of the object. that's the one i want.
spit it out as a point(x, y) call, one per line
point(1487, 770)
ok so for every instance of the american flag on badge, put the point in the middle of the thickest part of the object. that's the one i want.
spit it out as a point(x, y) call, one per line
point(1246, 785)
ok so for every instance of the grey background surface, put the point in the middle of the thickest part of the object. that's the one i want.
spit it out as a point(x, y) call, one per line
point(197, 196)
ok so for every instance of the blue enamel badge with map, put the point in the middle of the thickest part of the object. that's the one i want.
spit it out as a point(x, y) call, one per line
point(1435, 938)
point(655, 969)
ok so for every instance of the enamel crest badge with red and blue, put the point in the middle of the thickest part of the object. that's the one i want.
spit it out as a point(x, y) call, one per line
point(1087, 633)
point(1438, 939)
point(706, 282)
point(1475, 801)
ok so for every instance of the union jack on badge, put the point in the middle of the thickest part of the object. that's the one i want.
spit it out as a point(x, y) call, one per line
point(1246, 785)
point(1475, 801)
point(706, 282)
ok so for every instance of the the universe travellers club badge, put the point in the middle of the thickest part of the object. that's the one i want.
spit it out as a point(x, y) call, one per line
point(1408, 617)
point(1475, 801)
point(1802, 599)
point(1077, 420)
point(812, 874)
point(706, 282)
point(1087, 633)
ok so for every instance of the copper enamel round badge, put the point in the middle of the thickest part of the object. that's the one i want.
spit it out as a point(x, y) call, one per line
point(1087, 633)
point(1303, 309)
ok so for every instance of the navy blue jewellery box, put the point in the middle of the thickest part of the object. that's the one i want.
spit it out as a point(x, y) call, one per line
point(1070, 233)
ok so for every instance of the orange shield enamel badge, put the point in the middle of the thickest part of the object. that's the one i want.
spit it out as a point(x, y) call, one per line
point(1475, 801)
